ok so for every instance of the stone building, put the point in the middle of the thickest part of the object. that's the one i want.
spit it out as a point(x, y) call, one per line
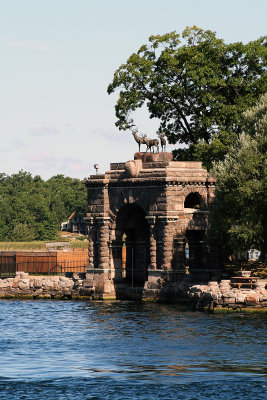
point(147, 223)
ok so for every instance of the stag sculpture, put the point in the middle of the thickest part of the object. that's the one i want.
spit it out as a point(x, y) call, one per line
point(162, 141)
point(151, 143)
point(139, 139)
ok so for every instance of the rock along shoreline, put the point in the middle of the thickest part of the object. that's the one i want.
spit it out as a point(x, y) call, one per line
point(212, 296)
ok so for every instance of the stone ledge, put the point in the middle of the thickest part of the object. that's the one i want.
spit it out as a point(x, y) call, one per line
point(153, 157)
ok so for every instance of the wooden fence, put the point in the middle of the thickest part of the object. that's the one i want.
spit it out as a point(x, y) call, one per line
point(54, 262)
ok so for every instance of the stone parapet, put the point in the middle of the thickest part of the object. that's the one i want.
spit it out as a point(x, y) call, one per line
point(157, 165)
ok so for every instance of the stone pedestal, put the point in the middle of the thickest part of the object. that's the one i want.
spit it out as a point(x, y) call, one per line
point(153, 157)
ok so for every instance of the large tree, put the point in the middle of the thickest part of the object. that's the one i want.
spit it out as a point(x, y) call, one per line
point(198, 86)
point(238, 219)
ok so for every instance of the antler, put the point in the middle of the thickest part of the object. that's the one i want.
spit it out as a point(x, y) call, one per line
point(160, 133)
point(131, 127)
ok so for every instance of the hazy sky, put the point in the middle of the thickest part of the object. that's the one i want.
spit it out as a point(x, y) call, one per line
point(57, 59)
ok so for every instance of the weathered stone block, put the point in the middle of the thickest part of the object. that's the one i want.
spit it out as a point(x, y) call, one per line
point(22, 275)
point(69, 283)
point(240, 297)
point(23, 284)
point(4, 283)
point(261, 284)
point(251, 300)
point(229, 300)
point(37, 283)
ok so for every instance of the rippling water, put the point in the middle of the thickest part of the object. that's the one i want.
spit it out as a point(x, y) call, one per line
point(121, 350)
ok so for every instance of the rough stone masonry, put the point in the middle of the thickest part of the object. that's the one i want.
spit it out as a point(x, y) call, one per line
point(213, 295)
point(156, 209)
point(47, 287)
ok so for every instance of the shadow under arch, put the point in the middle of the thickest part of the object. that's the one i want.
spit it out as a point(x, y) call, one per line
point(132, 241)
point(193, 200)
point(196, 248)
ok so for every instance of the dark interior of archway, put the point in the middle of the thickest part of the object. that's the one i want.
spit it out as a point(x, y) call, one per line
point(193, 200)
point(197, 247)
point(131, 221)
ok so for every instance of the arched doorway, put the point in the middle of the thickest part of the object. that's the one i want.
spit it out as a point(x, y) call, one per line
point(132, 230)
point(196, 243)
point(195, 248)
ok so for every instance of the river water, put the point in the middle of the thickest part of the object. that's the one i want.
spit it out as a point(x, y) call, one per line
point(58, 350)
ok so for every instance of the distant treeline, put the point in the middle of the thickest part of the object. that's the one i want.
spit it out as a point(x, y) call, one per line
point(32, 209)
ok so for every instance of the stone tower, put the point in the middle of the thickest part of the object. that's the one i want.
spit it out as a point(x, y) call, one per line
point(147, 222)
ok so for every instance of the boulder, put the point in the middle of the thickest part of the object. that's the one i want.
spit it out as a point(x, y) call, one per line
point(251, 300)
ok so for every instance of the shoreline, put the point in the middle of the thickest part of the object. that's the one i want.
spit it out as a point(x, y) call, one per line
point(213, 297)
point(182, 305)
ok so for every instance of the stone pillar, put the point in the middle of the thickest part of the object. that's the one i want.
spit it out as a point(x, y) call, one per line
point(100, 278)
point(103, 242)
point(152, 242)
point(166, 227)
point(91, 231)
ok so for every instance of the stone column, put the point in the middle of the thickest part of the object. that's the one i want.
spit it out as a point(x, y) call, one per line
point(91, 232)
point(167, 236)
point(103, 242)
point(152, 243)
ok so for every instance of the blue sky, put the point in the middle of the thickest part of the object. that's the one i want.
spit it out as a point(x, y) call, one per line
point(57, 59)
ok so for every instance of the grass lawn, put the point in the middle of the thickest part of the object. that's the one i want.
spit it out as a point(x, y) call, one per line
point(20, 246)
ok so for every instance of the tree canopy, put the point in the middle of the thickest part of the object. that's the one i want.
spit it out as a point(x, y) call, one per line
point(238, 220)
point(197, 85)
point(31, 208)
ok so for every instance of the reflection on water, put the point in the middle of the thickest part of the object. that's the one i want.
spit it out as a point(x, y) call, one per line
point(109, 348)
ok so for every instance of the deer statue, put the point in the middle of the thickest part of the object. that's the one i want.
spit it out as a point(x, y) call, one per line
point(139, 139)
point(162, 141)
point(151, 143)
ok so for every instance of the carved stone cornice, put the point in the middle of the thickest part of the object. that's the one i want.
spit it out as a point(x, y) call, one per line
point(103, 220)
point(89, 220)
point(165, 219)
point(151, 219)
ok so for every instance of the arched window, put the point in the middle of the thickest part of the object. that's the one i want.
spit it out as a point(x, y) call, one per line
point(193, 200)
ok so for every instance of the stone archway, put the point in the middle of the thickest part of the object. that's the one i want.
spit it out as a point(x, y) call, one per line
point(193, 200)
point(132, 232)
point(196, 248)
point(154, 207)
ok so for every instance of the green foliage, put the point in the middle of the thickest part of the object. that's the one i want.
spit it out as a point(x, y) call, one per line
point(22, 233)
point(196, 85)
point(238, 220)
point(30, 205)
